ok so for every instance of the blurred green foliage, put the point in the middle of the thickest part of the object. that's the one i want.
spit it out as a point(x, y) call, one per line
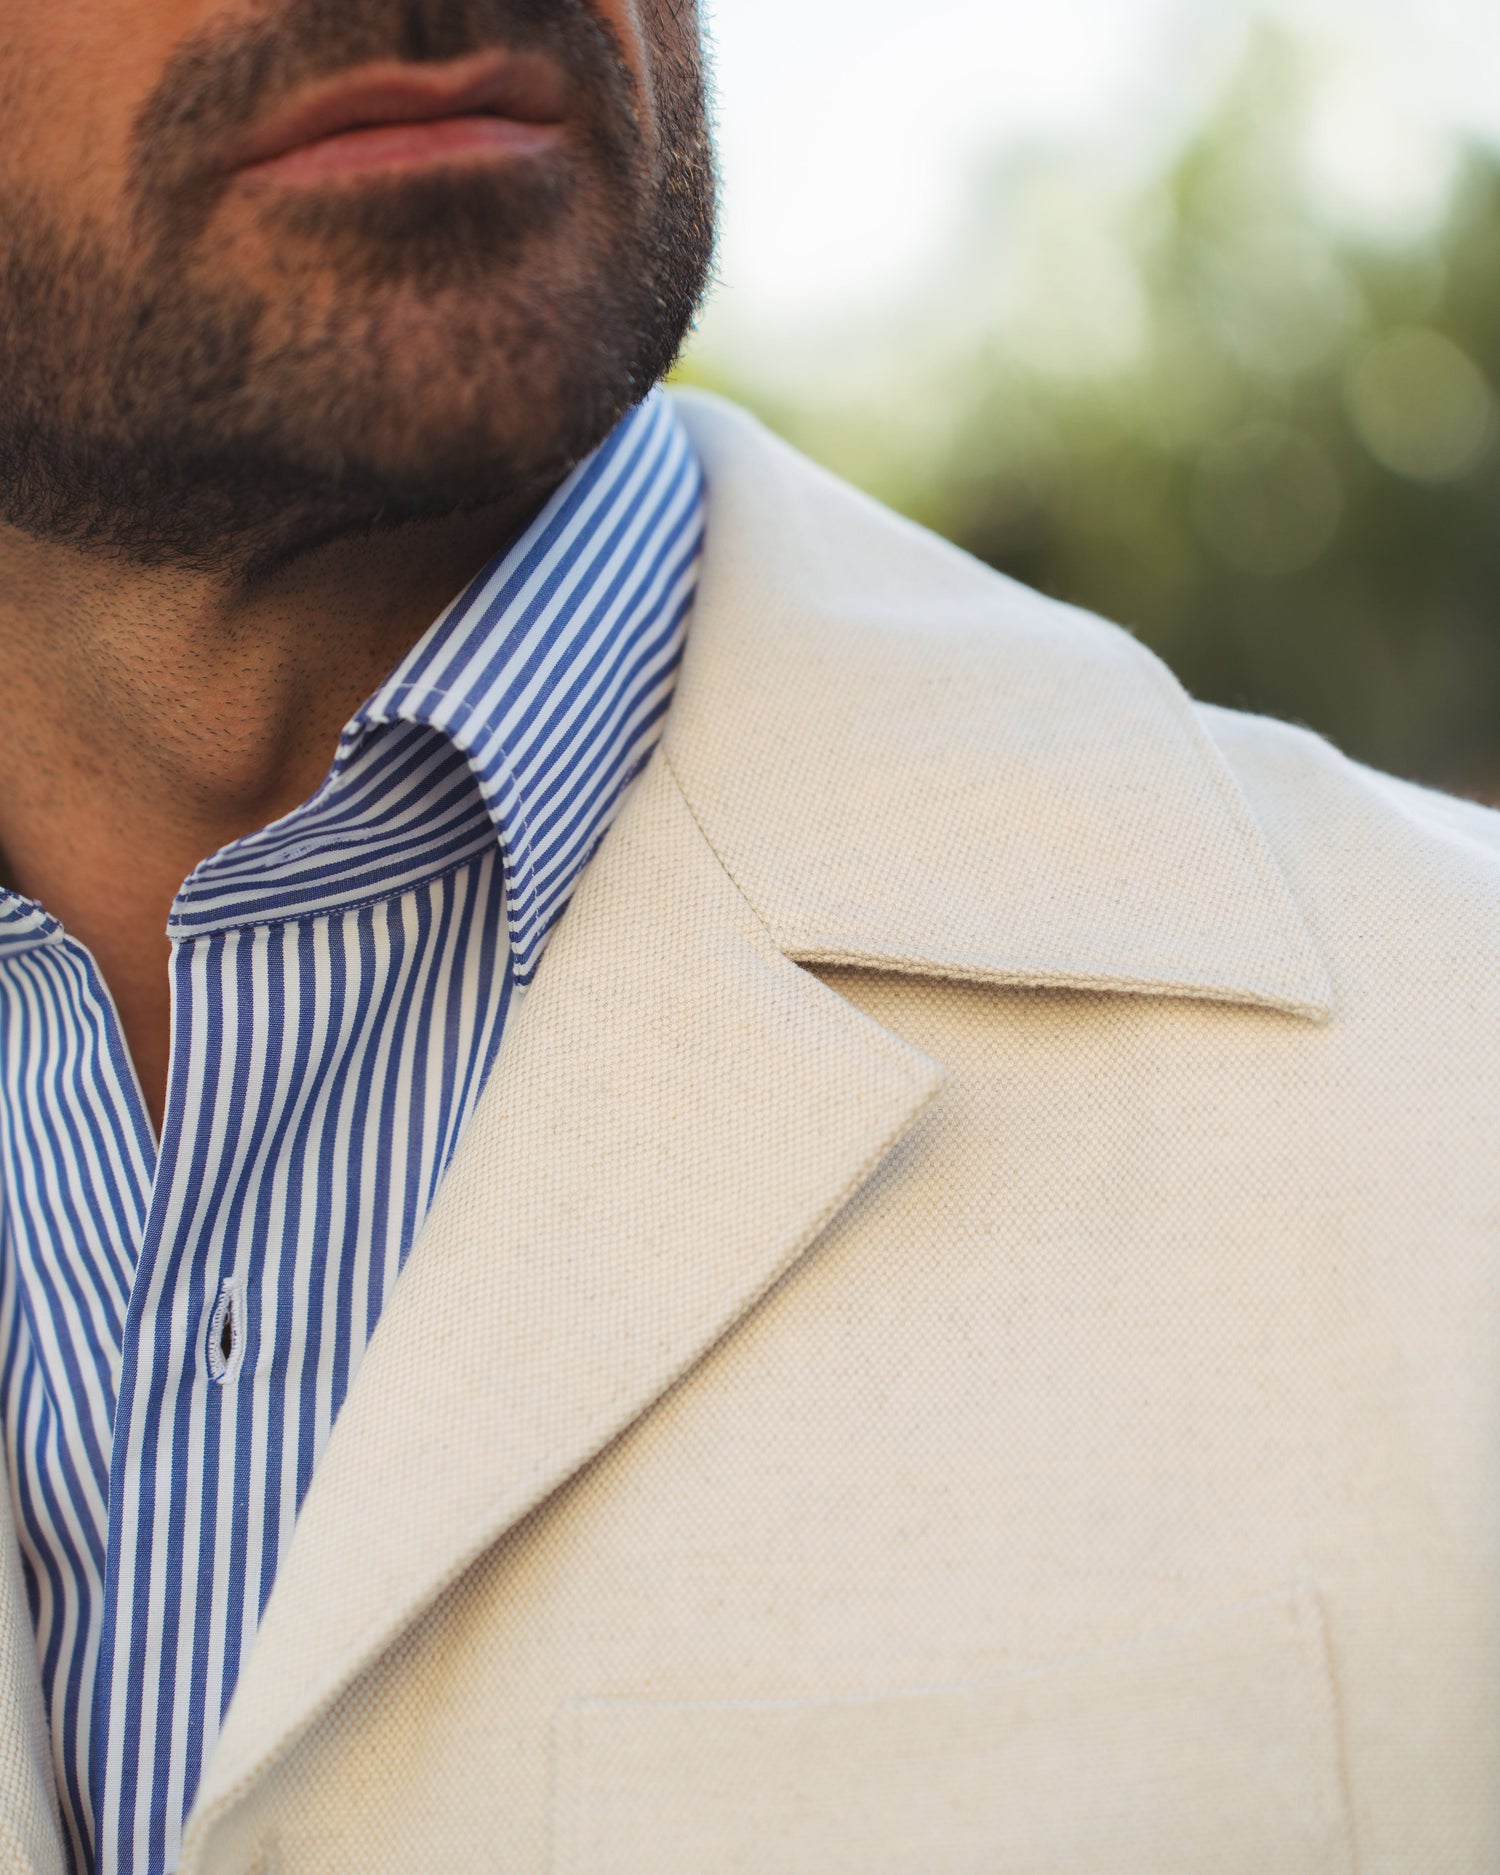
point(1260, 434)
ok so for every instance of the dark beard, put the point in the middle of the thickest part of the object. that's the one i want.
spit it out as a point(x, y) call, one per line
point(170, 418)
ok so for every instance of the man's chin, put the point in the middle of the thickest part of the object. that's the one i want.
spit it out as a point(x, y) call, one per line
point(437, 416)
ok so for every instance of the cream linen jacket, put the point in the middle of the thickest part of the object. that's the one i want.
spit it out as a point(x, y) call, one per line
point(964, 1337)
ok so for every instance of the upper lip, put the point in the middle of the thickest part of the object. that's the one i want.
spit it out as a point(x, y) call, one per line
point(525, 86)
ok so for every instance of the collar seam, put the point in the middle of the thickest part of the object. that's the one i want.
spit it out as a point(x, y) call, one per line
point(338, 911)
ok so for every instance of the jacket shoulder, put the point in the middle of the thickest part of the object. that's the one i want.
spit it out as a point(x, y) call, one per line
point(1398, 883)
point(1289, 768)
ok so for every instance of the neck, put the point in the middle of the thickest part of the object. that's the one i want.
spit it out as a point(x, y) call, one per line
point(156, 715)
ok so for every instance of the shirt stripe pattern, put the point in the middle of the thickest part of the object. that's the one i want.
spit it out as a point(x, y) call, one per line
point(180, 1324)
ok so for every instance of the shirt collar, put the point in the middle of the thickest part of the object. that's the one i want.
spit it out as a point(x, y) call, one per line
point(524, 711)
point(23, 925)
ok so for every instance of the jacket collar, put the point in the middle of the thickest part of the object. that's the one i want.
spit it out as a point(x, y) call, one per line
point(910, 763)
point(878, 755)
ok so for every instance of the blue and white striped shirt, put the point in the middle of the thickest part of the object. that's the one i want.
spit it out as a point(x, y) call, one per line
point(179, 1324)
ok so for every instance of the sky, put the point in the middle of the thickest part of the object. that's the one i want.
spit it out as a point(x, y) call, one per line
point(848, 128)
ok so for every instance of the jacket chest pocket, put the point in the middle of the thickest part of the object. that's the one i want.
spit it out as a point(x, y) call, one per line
point(1209, 1749)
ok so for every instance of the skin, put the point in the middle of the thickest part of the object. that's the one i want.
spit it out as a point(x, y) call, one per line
point(162, 702)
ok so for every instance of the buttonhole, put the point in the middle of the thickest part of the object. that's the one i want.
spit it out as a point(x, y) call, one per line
point(226, 1332)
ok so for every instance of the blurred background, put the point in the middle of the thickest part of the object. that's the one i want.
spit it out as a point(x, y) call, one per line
point(1184, 310)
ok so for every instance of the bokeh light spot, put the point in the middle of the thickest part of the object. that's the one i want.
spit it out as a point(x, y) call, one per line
point(1420, 406)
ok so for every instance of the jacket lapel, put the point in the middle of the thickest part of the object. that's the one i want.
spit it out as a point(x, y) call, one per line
point(675, 1115)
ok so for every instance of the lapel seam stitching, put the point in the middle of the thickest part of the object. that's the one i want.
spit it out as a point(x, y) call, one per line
point(894, 1045)
point(703, 833)
point(999, 978)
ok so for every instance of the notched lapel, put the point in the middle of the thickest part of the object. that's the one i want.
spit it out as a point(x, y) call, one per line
point(676, 1114)
point(909, 763)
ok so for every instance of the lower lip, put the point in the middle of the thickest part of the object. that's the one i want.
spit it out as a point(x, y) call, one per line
point(384, 148)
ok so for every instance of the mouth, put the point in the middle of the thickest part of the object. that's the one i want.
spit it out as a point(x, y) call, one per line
point(493, 107)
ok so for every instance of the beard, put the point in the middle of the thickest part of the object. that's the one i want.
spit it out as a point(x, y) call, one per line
point(413, 348)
